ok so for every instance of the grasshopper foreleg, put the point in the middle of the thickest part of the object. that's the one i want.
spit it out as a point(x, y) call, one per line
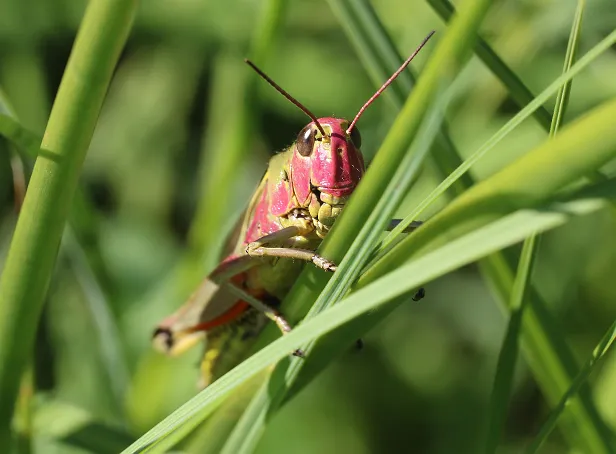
point(263, 247)
point(292, 253)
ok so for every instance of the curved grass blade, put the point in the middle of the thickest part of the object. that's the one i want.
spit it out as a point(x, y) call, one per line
point(468, 248)
point(37, 236)
point(588, 58)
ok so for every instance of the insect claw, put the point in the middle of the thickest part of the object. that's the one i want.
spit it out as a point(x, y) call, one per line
point(299, 353)
point(323, 263)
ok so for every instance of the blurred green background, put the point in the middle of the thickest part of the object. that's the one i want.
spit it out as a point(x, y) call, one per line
point(164, 182)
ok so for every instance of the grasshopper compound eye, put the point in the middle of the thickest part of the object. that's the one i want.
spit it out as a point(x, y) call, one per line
point(305, 141)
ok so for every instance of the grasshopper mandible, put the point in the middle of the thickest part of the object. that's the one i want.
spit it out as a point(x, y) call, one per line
point(296, 203)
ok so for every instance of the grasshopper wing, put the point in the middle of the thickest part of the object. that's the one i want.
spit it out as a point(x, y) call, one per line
point(211, 304)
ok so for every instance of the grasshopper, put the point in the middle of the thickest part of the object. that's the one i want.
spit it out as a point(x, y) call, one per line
point(295, 205)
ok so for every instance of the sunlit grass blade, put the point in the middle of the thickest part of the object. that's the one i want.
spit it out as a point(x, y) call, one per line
point(32, 254)
point(588, 58)
point(599, 352)
point(468, 248)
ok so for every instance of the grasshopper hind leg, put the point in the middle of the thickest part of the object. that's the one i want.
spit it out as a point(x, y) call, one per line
point(227, 345)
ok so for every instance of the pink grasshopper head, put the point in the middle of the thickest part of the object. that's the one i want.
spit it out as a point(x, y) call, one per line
point(331, 163)
point(326, 158)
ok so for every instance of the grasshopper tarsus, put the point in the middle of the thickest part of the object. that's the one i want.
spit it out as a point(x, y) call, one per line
point(323, 263)
point(299, 353)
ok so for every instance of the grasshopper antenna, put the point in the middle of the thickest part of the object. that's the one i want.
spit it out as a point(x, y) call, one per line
point(389, 81)
point(287, 95)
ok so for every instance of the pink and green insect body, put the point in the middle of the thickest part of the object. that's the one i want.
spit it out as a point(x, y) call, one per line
point(302, 193)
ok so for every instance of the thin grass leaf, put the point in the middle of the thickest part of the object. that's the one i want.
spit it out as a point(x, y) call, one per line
point(515, 87)
point(32, 254)
point(527, 111)
point(470, 247)
point(562, 98)
point(518, 91)
point(112, 353)
point(599, 352)
point(520, 295)
point(503, 380)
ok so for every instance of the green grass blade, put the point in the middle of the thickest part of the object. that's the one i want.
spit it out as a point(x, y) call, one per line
point(502, 194)
point(37, 236)
point(521, 116)
point(523, 183)
point(471, 246)
point(549, 356)
point(520, 295)
point(87, 264)
point(600, 350)
point(562, 99)
point(503, 380)
point(516, 88)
